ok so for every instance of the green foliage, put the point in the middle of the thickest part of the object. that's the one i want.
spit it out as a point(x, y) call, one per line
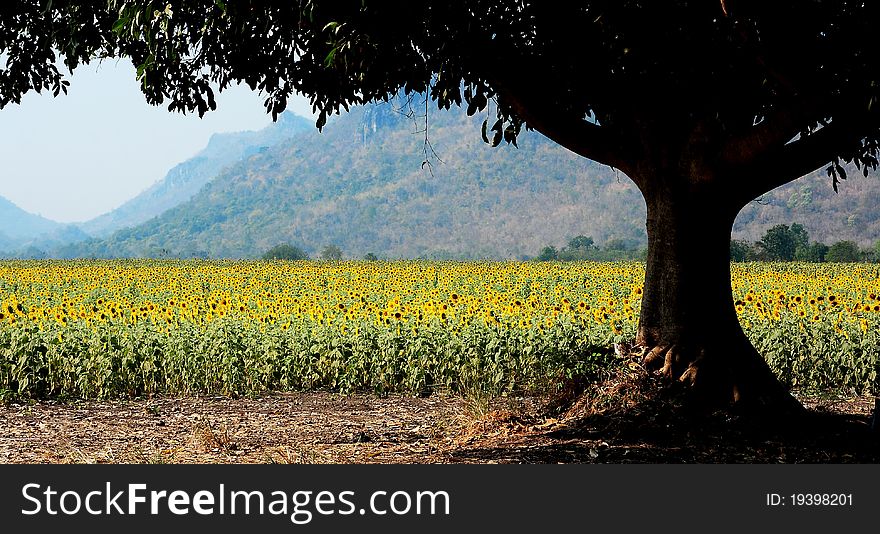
point(822, 357)
point(843, 252)
point(813, 253)
point(369, 256)
point(777, 242)
point(616, 244)
point(237, 359)
point(331, 253)
point(581, 242)
point(740, 251)
point(285, 252)
point(781, 241)
point(345, 53)
point(799, 235)
point(548, 253)
point(787, 243)
point(237, 355)
point(580, 248)
point(619, 249)
point(569, 254)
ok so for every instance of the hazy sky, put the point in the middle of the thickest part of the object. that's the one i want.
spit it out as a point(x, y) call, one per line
point(74, 157)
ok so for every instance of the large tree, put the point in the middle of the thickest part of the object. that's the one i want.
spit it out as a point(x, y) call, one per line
point(781, 242)
point(705, 105)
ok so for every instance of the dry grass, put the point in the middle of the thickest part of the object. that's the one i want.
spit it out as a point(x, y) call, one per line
point(619, 420)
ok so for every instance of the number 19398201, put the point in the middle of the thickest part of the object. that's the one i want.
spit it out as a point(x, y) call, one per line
point(810, 499)
point(822, 499)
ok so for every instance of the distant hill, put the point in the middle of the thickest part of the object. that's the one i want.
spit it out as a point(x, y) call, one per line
point(852, 214)
point(184, 180)
point(24, 234)
point(6, 244)
point(362, 185)
point(18, 225)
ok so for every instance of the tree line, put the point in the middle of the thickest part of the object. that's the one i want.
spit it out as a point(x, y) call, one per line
point(792, 243)
point(584, 248)
point(292, 253)
point(780, 243)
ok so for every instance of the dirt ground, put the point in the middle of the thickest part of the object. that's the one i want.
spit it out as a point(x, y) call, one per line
point(331, 428)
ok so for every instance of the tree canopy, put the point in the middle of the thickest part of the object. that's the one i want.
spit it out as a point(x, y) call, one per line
point(844, 252)
point(599, 77)
point(285, 252)
point(782, 242)
point(331, 253)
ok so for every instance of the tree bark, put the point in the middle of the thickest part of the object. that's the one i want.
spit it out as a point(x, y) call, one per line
point(688, 329)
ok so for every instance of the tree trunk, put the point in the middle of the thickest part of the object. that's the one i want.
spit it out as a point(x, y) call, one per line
point(688, 329)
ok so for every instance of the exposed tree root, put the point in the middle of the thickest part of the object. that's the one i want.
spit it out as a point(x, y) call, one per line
point(632, 405)
point(732, 376)
point(646, 412)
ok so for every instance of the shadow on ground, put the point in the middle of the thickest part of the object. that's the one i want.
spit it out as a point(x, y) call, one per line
point(627, 422)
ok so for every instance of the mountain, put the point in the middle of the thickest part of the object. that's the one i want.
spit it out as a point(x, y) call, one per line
point(373, 181)
point(184, 180)
point(18, 225)
point(24, 234)
point(6, 244)
point(853, 213)
point(362, 185)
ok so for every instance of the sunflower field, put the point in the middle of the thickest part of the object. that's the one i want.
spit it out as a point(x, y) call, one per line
point(105, 329)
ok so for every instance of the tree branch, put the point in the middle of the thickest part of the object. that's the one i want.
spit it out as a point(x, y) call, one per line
point(581, 137)
point(586, 139)
point(777, 128)
point(798, 158)
point(527, 87)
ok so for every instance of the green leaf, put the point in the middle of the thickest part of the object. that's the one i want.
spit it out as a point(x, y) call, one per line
point(120, 25)
point(328, 61)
